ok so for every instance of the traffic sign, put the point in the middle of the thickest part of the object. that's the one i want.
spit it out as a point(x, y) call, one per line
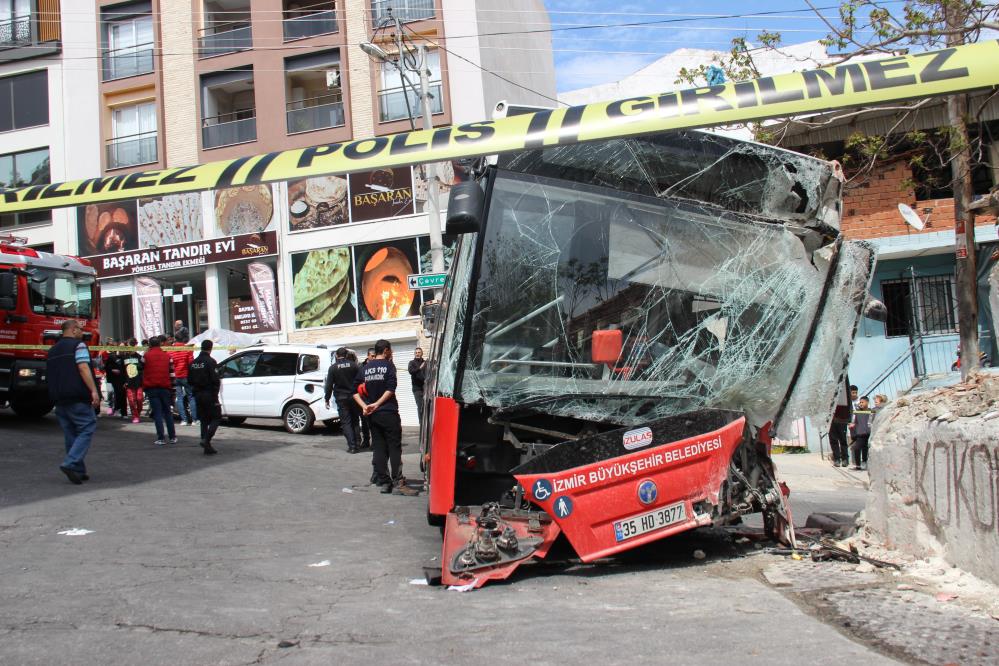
point(426, 280)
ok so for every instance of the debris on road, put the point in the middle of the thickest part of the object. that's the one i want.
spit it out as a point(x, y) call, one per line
point(76, 531)
point(699, 554)
point(324, 563)
point(418, 581)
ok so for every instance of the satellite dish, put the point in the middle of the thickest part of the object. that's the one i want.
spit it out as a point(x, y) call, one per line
point(911, 217)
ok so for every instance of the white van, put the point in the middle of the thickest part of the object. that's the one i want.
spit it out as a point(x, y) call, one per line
point(277, 382)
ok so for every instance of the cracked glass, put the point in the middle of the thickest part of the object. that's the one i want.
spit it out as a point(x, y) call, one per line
point(630, 280)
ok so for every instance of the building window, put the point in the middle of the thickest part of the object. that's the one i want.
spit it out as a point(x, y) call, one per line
point(228, 108)
point(226, 28)
point(128, 41)
point(404, 10)
point(24, 101)
point(133, 132)
point(30, 167)
point(308, 18)
point(313, 93)
point(15, 23)
point(399, 100)
point(920, 306)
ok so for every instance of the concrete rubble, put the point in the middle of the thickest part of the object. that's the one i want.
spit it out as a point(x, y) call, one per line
point(934, 476)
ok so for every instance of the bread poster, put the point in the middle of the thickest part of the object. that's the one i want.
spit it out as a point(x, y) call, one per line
point(107, 228)
point(322, 284)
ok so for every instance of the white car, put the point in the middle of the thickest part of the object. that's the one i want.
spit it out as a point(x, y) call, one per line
point(277, 382)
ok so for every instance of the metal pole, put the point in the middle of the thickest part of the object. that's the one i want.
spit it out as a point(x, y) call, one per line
point(433, 192)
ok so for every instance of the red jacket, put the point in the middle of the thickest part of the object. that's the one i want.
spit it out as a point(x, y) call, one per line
point(181, 361)
point(157, 370)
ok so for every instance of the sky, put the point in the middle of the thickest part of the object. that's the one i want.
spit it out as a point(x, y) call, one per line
point(591, 56)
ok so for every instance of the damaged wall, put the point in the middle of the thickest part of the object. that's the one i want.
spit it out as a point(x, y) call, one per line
point(934, 469)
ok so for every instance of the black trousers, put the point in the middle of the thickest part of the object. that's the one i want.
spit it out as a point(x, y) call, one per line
point(859, 447)
point(120, 402)
point(386, 443)
point(418, 394)
point(837, 442)
point(347, 409)
point(209, 414)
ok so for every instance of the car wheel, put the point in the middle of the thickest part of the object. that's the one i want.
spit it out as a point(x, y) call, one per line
point(234, 420)
point(298, 418)
point(29, 410)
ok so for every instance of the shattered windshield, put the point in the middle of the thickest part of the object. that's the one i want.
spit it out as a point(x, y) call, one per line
point(60, 293)
point(620, 308)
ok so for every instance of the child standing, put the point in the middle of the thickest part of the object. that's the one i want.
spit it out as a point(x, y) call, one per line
point(861, 428)
point(132, 363)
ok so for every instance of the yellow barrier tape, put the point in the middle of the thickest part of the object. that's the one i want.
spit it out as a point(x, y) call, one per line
point(101, 348)
point(957, 69)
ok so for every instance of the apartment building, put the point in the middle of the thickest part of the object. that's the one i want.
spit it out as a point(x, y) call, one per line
point(48, 110)
point(190, 81)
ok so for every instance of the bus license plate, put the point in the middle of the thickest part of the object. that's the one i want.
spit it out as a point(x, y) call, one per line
point(647, 522)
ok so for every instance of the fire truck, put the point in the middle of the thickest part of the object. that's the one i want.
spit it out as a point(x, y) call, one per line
point(625, 326)
point(38, 292)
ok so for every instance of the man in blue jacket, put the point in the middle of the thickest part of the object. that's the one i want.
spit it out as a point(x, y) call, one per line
point(73, 390)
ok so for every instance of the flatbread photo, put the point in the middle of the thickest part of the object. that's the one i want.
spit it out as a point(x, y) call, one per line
point(170, 220)
point(244, 210)
point(322, 287)
point(317, 202)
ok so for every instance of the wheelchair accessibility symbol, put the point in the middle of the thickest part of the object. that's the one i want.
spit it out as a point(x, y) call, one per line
point(542, 489)
point(563, 506)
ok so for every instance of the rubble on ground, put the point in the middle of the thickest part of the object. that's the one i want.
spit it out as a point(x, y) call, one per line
point(978, 396)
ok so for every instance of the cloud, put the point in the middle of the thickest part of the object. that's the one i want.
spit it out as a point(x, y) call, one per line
point(585, 71)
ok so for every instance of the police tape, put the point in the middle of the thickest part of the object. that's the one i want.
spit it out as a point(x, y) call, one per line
point(958, 69)
point(107, 348)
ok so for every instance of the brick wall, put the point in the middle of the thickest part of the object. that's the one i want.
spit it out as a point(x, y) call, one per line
point(870, 209)
point(180, 107)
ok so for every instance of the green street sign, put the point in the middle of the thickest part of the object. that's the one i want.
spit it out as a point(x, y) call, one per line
point(426, 280)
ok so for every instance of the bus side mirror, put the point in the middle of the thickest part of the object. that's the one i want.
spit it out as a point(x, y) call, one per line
point(464, 208)
point(605, 347)
point(8, 291)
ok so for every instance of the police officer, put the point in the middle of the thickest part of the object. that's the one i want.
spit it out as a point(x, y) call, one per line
point(340, 385)
point(376, 397)
point(203, 378)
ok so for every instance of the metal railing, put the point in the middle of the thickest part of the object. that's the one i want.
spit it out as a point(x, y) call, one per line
point(309, 25)
point(315, 113)
point(125, 151)
point(128, 61)
point(15, 32)
point(221, 38)
point(404, 10)
point(392, 103)
point(923, 357)
point(226, 129)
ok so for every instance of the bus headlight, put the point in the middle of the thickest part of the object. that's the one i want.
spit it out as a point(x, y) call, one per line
point(27, 372)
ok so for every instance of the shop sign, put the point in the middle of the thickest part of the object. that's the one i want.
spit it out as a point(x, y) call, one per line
point(185, 255)
point(380, 194)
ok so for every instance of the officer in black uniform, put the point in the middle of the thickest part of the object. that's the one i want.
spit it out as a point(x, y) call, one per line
point(376, 397)
point(204, 380)
point(340, 385)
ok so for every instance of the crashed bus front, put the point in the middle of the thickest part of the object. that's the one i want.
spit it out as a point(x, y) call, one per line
point(626, 323)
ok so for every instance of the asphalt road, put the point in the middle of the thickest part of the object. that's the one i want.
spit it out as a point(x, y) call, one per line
point(197, 560)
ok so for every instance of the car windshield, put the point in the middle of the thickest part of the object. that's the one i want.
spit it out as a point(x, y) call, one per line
point(61, 293)
point(620, 307)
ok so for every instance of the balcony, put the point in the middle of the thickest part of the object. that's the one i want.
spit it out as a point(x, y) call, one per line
point(128, 61)
point(392, 103)
point(318, 19)
point(15, 32)
point(221, 38)
point(404, 10)
point(126, 151)
point(315, 113)
point(229, 129)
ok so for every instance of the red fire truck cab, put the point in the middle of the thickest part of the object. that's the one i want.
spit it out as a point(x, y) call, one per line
point(38, 292)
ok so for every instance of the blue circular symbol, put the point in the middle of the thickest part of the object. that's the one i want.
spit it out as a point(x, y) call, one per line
point(562, 507)
point(542, 489)
point(647, 491)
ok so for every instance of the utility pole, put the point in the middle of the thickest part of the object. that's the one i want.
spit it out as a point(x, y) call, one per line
point(964, 227)
point(433, 191)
